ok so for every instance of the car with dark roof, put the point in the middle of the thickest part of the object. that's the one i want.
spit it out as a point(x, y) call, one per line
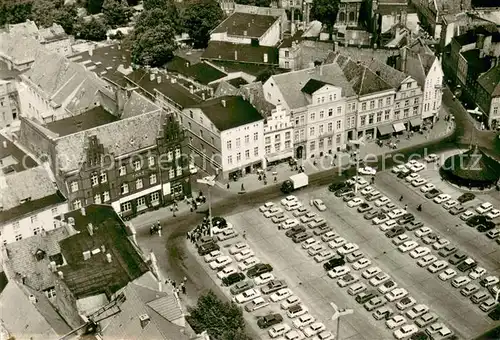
point(433, 193)
point(485, 227)
point(396, 231)
point(370, 215)
point(295, 230)
point(233, 278)
point(448, 250)
point(207, 248)
point(337, 261)
point(269, 320)
point(273, 286)
point(344, 191)
point(241, 287)
point(466, 197)
point(299, 237)
point(406, 218)
point(258, 269)
point(336, 186)
point(457, 258)
point(414, 225)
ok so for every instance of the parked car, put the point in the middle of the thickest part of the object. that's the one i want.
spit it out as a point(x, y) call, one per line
point(477, 272)
point(296, 310)
point(334, 262)
point(241, 287)
point(406, 303)
point(448, 250)
point(447, 274)
point(227, 234)
point(395, 321)
point(431, 194)
point(469, 289)
point(273, 286)
point(375, 303)
point(458, 209)
point(467, 264)
point(437, 266)
point(279, 330)
point(483, 208)
point(290, 301)
point(347, 279)
point(354, 256)
point(457, 257)
point(247, 295)
point(256, 303)
point(357, 288)
point(405, 332)
point(479, 296)
point(280, 295)
point(324, 255)
point(466, 197)
point(269, 320)
point(258, 269)
point(318, 203)
point(396, 231)
point(303, 321)
point(417, 311)
point(427, 187)
point(426, 319)
point(233, 278)
point(467, 215)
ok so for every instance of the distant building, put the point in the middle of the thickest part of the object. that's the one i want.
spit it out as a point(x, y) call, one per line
point(18, 52)
point(349, 14)
point(226, 136)
point(488, 96)
point(9, 102)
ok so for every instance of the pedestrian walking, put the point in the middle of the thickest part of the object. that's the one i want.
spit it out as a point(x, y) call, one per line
point(187, 235)
point(242, 187)
point(244, 235)
point(184, 279)
point(159, 230)
point(406, 206)
point(275, 179)
point(173, 283)
point(183, 289)
point(401, 198)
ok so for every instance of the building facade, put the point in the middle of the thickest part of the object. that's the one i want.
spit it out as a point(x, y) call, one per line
point(278, 135)
point(488, 96)
point(9, 102)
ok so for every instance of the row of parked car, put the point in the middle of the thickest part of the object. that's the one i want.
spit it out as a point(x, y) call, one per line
point(303, 324)
point(408, 316)
point(480, 217)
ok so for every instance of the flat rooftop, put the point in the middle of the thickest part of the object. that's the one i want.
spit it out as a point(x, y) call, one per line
point(96, 275)
point(13, 159)
point(254, 25)
point(90, 119)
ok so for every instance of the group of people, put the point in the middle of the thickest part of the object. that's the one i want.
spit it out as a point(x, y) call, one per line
point(202, 229)
point(182, 285)
point(155, 229)
point(419, 207)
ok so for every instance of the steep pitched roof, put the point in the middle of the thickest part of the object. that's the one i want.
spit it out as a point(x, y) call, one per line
point(60, 79)
point(490, 81)
point(254, 93)
point(20, 49)
point(291, 83)
point(235, 112)
point(313, 85)
point(138, 105)
point(224, 88)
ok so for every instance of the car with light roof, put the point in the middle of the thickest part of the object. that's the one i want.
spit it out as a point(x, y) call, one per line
point(426, 260)
point(278, 330)
point(374, 303)
point(354, 202)
point(317, 222)
point(300, 211)
point(325, 335)
point(493, 213)
point(418, 182)
point(388, 207)
point(367, 170)
point(467, 215)
point(407, 246)
point(256, 303)
point(337, 242)
point(460, 281)
point(263, 279)
point(379, 279)
point(324, 255)
point(477, 272)
point(308, 243)
point(307, 217)
point(417, 167)
point(450, 204)
point(266, 206)
point(414, 225)
point(439, 199)
point(488, 305)
point(395, 321)
point(289, 199)
point(423, 231)
point(249, 262)
point(417, 311)
point(411, 177)
point(458, 209)
point(406, 303)
point(431, 158)
point(480, 296)
point(483, 208)
point(246, 296)
point(396, 294)
point(354, 256)
point(328, 236)
point(426, 319)
point(318, 203)
point(226, 271)
point(244, 254)
point(347, 279)
point(273, 211)
point(289, 223)
point(280, 295)
point(437, 266)
point(238, 248)
point(361, 263)
point(371, 272)
point(357, 288)
point(440, 243)
point(469, 289)
point(278, 219)
point(419, 252)
point(273, 286)
point(398, 168)
point(427, 187)
point(212, 256)
point(338, 271)
point(400, 239)
point(347, 248)
point(380, 219)
point(303, 321)
point(396, 213)
point(382, 201)
point(488, 281)
point(315, 249)
point(269, 320)
point(447, 274)
point(387, 225)
point(290, 301)
point(493, 234)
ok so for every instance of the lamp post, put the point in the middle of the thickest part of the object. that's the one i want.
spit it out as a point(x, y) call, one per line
point(209, 181)
point(358, 143)
point(339, 312)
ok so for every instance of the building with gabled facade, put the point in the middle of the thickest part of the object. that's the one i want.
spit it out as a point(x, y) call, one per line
point(225, 136)
point(278, 136)
point(488, 96)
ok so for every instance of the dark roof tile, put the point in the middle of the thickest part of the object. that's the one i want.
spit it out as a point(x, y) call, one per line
point(490, 81)
point(225, 51)
point(238, 23)
point(92, 118)
point(312, 86)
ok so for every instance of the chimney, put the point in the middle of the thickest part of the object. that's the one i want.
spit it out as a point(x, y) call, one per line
point(90, 228)
point(265, 57)
point(32, 298)
point(403, 59)
point(223, 102)
point(158, 79)
point(82, 211)
point(61, 275)
point(144, 319)
point(321, 70)
point(203, 95)
point(173, 80)
point(248, 24)
point(245, 33)
point(71, 221)
point(70, 227)
point(108, 258)
point(53, 267)
point(151, 77)
point(91, 50)
point(480, 41)
point(4, 143)
point(103, 248)
point(86, 255)
point(191, 88)
point(235, 55)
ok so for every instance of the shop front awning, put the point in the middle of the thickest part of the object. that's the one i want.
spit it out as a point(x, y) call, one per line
point(398, 127)
point(384, 129)
point(416, 122)
point(279, 156)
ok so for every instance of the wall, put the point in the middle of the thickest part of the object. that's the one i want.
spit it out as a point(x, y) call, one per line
point(24, 227)
point(494, 116)
point(60, 46)
point(32, 103)
point(368, 108)
point(272, 35)
point(278, 131)
point(272, 93)
point(432, 96)
point(9, 102)
point(348, 14)
point(235, 39)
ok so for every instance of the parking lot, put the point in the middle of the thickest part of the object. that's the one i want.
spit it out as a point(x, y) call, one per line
point(310, 282)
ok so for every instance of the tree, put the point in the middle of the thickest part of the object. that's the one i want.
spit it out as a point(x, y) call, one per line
point(259, 3)
point(94, 29)
point(14, 13)
point(221, 320)
point(152, 4)
point(154, 47)
point(150, 19)
point(66, 17)
point(42, 12)
point(325, 11)
point(116, 13)
point(264, 75)
point(94, 6)
point(200, 17)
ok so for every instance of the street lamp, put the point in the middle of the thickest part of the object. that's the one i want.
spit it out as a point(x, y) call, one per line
point(358, 143)
point(339, 312)
point(210, 182)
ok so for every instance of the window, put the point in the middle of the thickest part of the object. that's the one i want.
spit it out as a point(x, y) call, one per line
point(398, 105)
point(387, 114)
point(312, 145)
point(247, 139)
point(321, 129)
point(372, 104)
point(495, 110)
point(415, 110)
point(151, 161)
point(54, 211)
point(34, 219)
point(229, 159)
point(137, 165)
point(238, 142)
point(379, 116)
point(412, 93)
point(256, 151)
point(287, 63)
point(155, 197)
point(277, 147)
point(37, 230)
point(363, 106)
point(321, 144)
point(138, 184)
point(380, 102)
point(339, 124)
point(313, 116)
point(407, 102)
point(97, 199)
point(105, 196)
point(415, 101)
point(247, 154)
point(287, 135)
point(74, 186)
point(321, 114)
point(122, 171)
point(339, 110)
point(329, 141)
point(311, 131)
point(277, 137)
point(330, 112)
point(141, 202)
point(152, 179)
point(255, 136)
point(388, 101)
point(288, 144)
point(408, 85)
point(189, 126)
point(363, 120)
point(330, 127)
point(178, 171)
point(268, 140)
point(370, 119)
point(171, 173)
point(337, 139)
point(127, 206)
point(406, 113)
point(77, 204)
point(124, 188)
point(94, 180)
point(19, 237)
point(287, 53)
point(238, 157)
point(228, 145)
point(396, 114)
point(170, 156)
point(268, 148)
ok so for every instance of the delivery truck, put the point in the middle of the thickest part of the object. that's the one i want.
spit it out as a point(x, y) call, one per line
point(295, 182)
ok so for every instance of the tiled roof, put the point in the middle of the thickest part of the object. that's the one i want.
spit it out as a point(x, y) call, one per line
point(202, 72)
point(19, 49)
point(420, 47)
point(254, 25)
point(20, 316)
point(362, 79)
point(490, 81)
point(95, 275)
point(137, 105)
point(167, 307)
point(225, 51)
point(61, 80)
point(289, 40)
point(290, 84)
point(119, 138)
point(92, 118)
point(312, 86)
point(53, 32)
point(13, 159)
point(254, 93)
point(236, 112)
point(36, 273)
point(27, 28)
point(5, 73)
point(34, 183)
point(415, 68)
point(237, 82)
point(224, 88)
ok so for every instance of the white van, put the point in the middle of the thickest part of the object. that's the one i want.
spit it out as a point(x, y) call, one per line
point(356, 288)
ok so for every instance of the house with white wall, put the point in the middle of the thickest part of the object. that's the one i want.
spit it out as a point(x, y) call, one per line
point(278, 135)
point(226, 136)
